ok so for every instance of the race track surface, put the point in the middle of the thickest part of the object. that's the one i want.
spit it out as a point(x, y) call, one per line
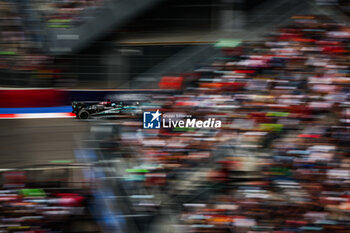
point(26, 142)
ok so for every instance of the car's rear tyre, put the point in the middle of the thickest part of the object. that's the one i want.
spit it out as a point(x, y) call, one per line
point(83, 114)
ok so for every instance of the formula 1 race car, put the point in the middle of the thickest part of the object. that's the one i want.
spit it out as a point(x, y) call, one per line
point(107, 109)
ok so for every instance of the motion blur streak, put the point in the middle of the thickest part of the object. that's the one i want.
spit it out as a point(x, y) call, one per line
point(81, 80)
point(36, 115)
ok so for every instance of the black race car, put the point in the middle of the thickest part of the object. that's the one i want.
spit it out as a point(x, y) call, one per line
point(107, 109)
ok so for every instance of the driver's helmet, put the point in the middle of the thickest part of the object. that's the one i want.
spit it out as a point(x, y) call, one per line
point(113, 105)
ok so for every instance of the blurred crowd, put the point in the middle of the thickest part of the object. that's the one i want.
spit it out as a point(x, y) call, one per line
point(279, 163)
point(65, 14)
point(50, 205)
point(20, 43)
point(34, 210)
point(24, 31)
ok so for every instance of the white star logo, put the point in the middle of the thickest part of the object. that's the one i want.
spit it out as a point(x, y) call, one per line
point(156, 115)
